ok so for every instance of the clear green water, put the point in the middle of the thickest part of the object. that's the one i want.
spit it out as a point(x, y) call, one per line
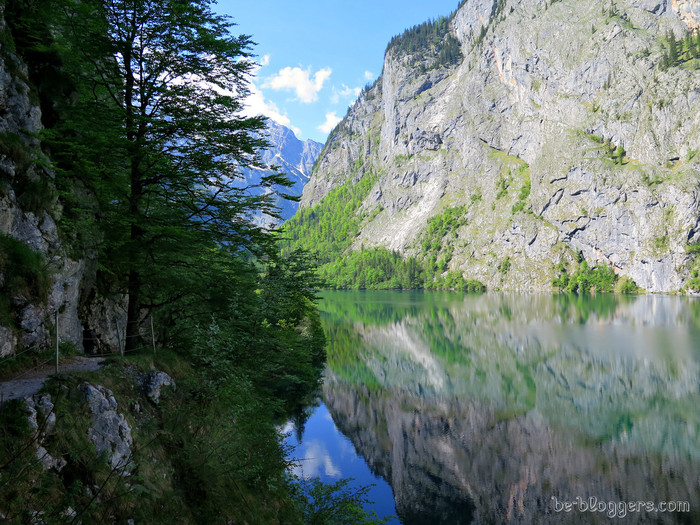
point(495, 408)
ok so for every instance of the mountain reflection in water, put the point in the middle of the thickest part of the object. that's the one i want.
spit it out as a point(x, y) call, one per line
point(482, 408)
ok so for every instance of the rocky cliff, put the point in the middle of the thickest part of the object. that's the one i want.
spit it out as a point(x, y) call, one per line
point(28, 309)
point(41, 274)
point(563, 131)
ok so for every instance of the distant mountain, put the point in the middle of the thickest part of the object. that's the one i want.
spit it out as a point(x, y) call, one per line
point(293, 157)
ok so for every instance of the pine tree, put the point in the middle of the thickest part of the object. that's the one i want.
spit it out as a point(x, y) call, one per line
point(672, 49)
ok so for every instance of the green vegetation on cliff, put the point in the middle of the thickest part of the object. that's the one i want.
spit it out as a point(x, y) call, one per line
point(585, 279)
point(429, 42)
point(682, 53)
point(330, 227)
point(24, 274)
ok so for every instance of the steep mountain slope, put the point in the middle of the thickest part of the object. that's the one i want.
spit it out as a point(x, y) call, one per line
point(566, 131)
point(293, 157)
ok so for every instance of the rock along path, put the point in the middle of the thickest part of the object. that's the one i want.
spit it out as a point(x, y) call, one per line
point(32, 381)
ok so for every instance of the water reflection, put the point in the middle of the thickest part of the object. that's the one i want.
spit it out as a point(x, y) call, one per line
point(482, 408)
point(325, 452)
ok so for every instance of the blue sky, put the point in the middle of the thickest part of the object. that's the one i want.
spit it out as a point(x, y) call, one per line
point(315, 56)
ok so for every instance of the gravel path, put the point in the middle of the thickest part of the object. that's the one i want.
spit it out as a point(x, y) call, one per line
point(32, 381)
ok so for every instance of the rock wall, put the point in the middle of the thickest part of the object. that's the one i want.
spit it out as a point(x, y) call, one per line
point(546, 94)
point(31, 323)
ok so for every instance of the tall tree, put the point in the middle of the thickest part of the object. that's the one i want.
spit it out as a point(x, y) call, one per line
point(173, 77)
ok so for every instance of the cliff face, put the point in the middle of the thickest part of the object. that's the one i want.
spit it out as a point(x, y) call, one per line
point(29, 321)
point(560, 131)
point(56, 280)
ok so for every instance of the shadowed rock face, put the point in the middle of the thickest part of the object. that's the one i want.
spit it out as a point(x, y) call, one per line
point(545, 95)
point(482, 409)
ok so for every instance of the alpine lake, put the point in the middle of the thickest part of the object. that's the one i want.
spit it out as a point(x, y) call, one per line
point(509, 408)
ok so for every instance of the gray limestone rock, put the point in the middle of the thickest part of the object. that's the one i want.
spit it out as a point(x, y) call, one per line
point(153, 382)
point(42, 420)
point(8, 342)
point(555, 87)
point(110, 431)
point(20, 124)
point(107, 319)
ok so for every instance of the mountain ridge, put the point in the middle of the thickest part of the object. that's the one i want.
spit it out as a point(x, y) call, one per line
point(561, 133)
point(289, 155)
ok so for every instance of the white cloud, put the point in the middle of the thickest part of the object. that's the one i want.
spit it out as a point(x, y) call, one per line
point(345, 93)
point(255, 104)
point(331, 121)
point(369, 75)
point(300, 81)
point(316, 461)
point(265, 60)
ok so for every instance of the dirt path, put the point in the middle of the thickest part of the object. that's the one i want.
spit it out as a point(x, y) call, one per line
point(32, 381)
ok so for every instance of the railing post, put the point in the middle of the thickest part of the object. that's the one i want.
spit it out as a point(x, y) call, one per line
point(119, 338)
point(56, 327)
point(153, 336)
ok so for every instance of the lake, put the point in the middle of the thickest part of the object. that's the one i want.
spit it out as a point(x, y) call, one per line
point(510, 408)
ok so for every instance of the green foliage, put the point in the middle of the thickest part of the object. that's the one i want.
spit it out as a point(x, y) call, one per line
point(627, 286)
point(454, 280)
point(651, 181)
point(225, 457)
point(681, 53)
point(15, 147)
point(25, 277)
point(373, 269)
point(16, 460)
point(440, 226)
point(35, 195)
point(335, 504)
point(592, 280)
point(660, 244)
point(615, 153)
point(561, 281)
point(524, 189)
point(518, 206)
point(502, 184)
point(429, 42)
point(154, 153)
point(694, 279)
point(504, 265)
point(147, 158)
point(693, 248)
point(331, 225)
point(208, 452)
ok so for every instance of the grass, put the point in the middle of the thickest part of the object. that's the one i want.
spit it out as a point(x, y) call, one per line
point(12, 366)
point(87, 484)
point(26, 277)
